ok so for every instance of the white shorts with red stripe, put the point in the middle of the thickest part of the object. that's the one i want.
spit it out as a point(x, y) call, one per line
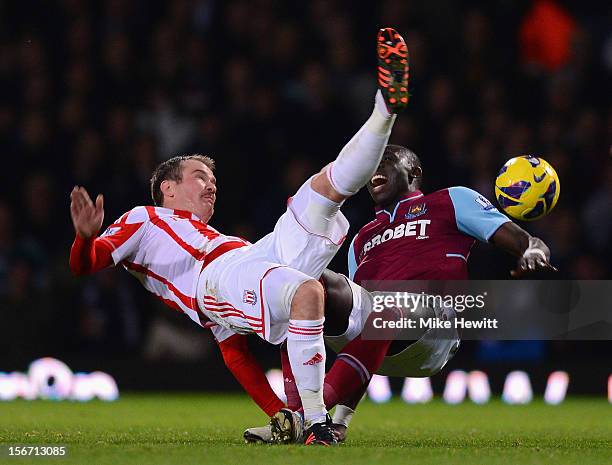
point(250, 289)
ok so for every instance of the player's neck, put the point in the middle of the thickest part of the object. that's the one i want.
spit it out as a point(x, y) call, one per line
point(407, 195)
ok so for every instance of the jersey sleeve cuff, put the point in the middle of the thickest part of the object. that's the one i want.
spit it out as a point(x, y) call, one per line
point(494, 229)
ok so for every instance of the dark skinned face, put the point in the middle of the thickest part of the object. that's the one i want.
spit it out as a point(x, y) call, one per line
point(394, 178)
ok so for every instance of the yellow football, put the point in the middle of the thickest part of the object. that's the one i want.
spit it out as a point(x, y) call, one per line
point(527, 188)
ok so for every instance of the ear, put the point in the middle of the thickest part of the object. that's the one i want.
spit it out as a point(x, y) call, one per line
point(415, 173)
point(168, 188)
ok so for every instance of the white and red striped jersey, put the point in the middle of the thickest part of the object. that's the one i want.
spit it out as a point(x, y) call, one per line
point(165, 249)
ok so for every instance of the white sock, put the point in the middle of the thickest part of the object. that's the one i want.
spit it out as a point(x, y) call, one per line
point(359, 158)
point(306, 351)
point(343, 415)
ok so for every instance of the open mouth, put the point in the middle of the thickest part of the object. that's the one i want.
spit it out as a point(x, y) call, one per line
point(377, 181)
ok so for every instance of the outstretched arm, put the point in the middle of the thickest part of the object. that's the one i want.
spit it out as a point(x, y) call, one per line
point(477, 217)
point(87, 254)
point(119, 242)
point(533, 253)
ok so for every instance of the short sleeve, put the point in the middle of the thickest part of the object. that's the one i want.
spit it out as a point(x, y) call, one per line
point(475, 215)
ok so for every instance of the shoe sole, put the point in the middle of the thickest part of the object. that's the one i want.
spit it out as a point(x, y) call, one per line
point(393, 68)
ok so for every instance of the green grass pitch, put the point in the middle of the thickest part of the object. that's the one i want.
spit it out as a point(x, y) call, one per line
point(199, 428)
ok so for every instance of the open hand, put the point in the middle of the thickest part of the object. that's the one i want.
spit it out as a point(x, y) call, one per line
point(532, 260)
point(86, 217)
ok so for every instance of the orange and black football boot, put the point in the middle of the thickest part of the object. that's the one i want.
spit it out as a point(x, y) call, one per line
point(393, 69)
point(320, 434)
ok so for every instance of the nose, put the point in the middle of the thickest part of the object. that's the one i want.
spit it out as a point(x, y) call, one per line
point(212, 188)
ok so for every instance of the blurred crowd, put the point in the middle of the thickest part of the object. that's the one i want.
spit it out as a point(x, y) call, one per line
point(98, 93)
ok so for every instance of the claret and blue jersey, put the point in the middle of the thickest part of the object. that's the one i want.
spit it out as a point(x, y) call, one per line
point(424, 237)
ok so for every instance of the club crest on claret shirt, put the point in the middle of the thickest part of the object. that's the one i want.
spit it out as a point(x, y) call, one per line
point(249, 297)
point(416, 210)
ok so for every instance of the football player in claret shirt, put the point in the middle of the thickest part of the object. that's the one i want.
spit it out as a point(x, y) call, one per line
point(269, 288)
point(419, 236)
point(429, 236)
point(415, 236)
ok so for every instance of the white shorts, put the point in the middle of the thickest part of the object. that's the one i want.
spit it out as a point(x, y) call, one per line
point(423, 358)
point(250, 289)
point(429, 354)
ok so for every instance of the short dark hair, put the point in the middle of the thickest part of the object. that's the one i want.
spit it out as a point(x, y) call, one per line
point(411, 157)
point(172, 170)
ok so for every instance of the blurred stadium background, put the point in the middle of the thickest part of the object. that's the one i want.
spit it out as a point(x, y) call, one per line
point(97, 93)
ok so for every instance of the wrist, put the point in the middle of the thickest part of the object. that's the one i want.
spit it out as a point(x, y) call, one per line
point(82, 236)
point(535, 251)
point(87, 235)
point(537, 247)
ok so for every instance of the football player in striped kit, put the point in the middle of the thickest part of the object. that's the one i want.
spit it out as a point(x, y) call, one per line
point(269, 288)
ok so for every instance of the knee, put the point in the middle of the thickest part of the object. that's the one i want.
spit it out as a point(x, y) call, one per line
point(309, 301)
point(338, 302)
point(322, 185)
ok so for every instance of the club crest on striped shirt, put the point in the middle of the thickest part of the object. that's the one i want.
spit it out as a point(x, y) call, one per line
point(110, 231)
point(249, 297)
